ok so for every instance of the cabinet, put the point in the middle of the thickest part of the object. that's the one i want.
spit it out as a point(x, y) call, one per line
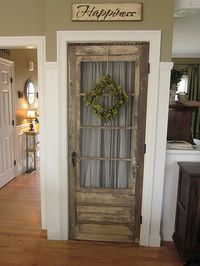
point(171, 187)
point(32, 150)
point(187, 225)
point(21, 148)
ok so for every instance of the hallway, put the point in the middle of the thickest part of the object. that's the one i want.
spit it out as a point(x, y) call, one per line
point(23, 243)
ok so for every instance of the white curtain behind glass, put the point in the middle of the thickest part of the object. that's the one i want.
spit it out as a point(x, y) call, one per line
point(106, 143)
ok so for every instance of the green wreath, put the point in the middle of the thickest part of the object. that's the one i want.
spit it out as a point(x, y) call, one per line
point(106, 85)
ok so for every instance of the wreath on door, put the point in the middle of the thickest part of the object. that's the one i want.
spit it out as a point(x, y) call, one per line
point(106, 85)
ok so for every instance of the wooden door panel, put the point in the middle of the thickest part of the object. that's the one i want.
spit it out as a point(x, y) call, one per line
point(104, 214)
point(6, 127)
point(9, 153)
point(5, 77)
point(105, 232)
point(6, 94)
point(105, 209)
point(1, 158)
point(125, 198)
point(103, 237)
point(6, 108)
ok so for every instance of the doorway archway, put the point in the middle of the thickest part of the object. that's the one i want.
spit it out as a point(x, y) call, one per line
point(154, 38)
point(39, 44)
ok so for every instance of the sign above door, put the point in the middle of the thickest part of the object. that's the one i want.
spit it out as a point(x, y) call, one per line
point(107, 12)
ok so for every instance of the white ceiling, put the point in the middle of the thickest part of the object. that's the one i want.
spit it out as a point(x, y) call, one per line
point(186, 36)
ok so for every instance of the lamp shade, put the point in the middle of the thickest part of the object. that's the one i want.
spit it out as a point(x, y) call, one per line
point(30, 113)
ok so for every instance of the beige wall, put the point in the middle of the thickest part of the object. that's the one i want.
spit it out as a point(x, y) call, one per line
point(45, 17)
point(21, 57)
point(22, 73)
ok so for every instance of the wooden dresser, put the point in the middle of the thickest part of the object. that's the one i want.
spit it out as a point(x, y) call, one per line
point(187, 225)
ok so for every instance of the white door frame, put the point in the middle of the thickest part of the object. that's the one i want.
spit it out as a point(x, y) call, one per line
point(154, 38)
point(38, 42)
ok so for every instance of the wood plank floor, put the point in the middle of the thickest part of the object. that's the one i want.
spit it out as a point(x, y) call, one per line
point(23, 243)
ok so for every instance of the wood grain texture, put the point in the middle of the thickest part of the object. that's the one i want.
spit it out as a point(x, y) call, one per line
point(140, 134)
point(124, 199)
point(90, 198)
point(104, 214)
point(187, 224)
point(22, 243)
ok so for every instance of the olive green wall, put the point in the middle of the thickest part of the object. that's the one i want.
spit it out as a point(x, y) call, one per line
point(186, 61)
point(45, 17)
point(21, 17)
point(21, 57)
point(157, 15)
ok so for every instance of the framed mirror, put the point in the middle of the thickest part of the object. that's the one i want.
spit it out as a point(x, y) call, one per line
point(30, 91)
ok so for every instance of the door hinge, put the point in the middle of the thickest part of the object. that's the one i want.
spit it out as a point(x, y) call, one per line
point(145, 147)
point(15, 163)
point(13, 122)
point(140, 219)
point(11, 80)
point(148, 68)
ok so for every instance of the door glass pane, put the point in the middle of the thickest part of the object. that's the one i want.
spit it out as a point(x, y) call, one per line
point(122, 73)
point(107, 174)
point(109, 143)
point(125, 118)
point(106, 147)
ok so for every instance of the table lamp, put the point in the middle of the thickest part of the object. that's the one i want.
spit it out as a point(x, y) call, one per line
point(31, 116)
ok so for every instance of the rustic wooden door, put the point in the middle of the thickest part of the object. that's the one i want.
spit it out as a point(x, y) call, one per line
point(106, 158)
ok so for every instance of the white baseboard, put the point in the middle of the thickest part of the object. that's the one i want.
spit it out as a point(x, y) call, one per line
point(167, 235)
point(154, 241)
point(53, 235)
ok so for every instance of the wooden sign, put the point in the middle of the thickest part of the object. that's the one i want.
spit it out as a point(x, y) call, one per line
point(107, 12)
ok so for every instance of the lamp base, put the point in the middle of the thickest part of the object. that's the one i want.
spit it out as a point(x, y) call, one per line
point(31, 127)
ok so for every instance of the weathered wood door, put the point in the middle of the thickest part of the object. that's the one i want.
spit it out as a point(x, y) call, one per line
point(106, 158)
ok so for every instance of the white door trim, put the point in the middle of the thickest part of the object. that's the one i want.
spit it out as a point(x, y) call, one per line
point(159, 163)
point(154, 37)
point(38, 42)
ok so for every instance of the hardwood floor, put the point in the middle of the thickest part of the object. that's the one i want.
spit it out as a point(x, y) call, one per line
point(23, 243)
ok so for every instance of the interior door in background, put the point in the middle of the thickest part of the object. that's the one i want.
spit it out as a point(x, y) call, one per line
point(106, 167)
point(7, 170)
